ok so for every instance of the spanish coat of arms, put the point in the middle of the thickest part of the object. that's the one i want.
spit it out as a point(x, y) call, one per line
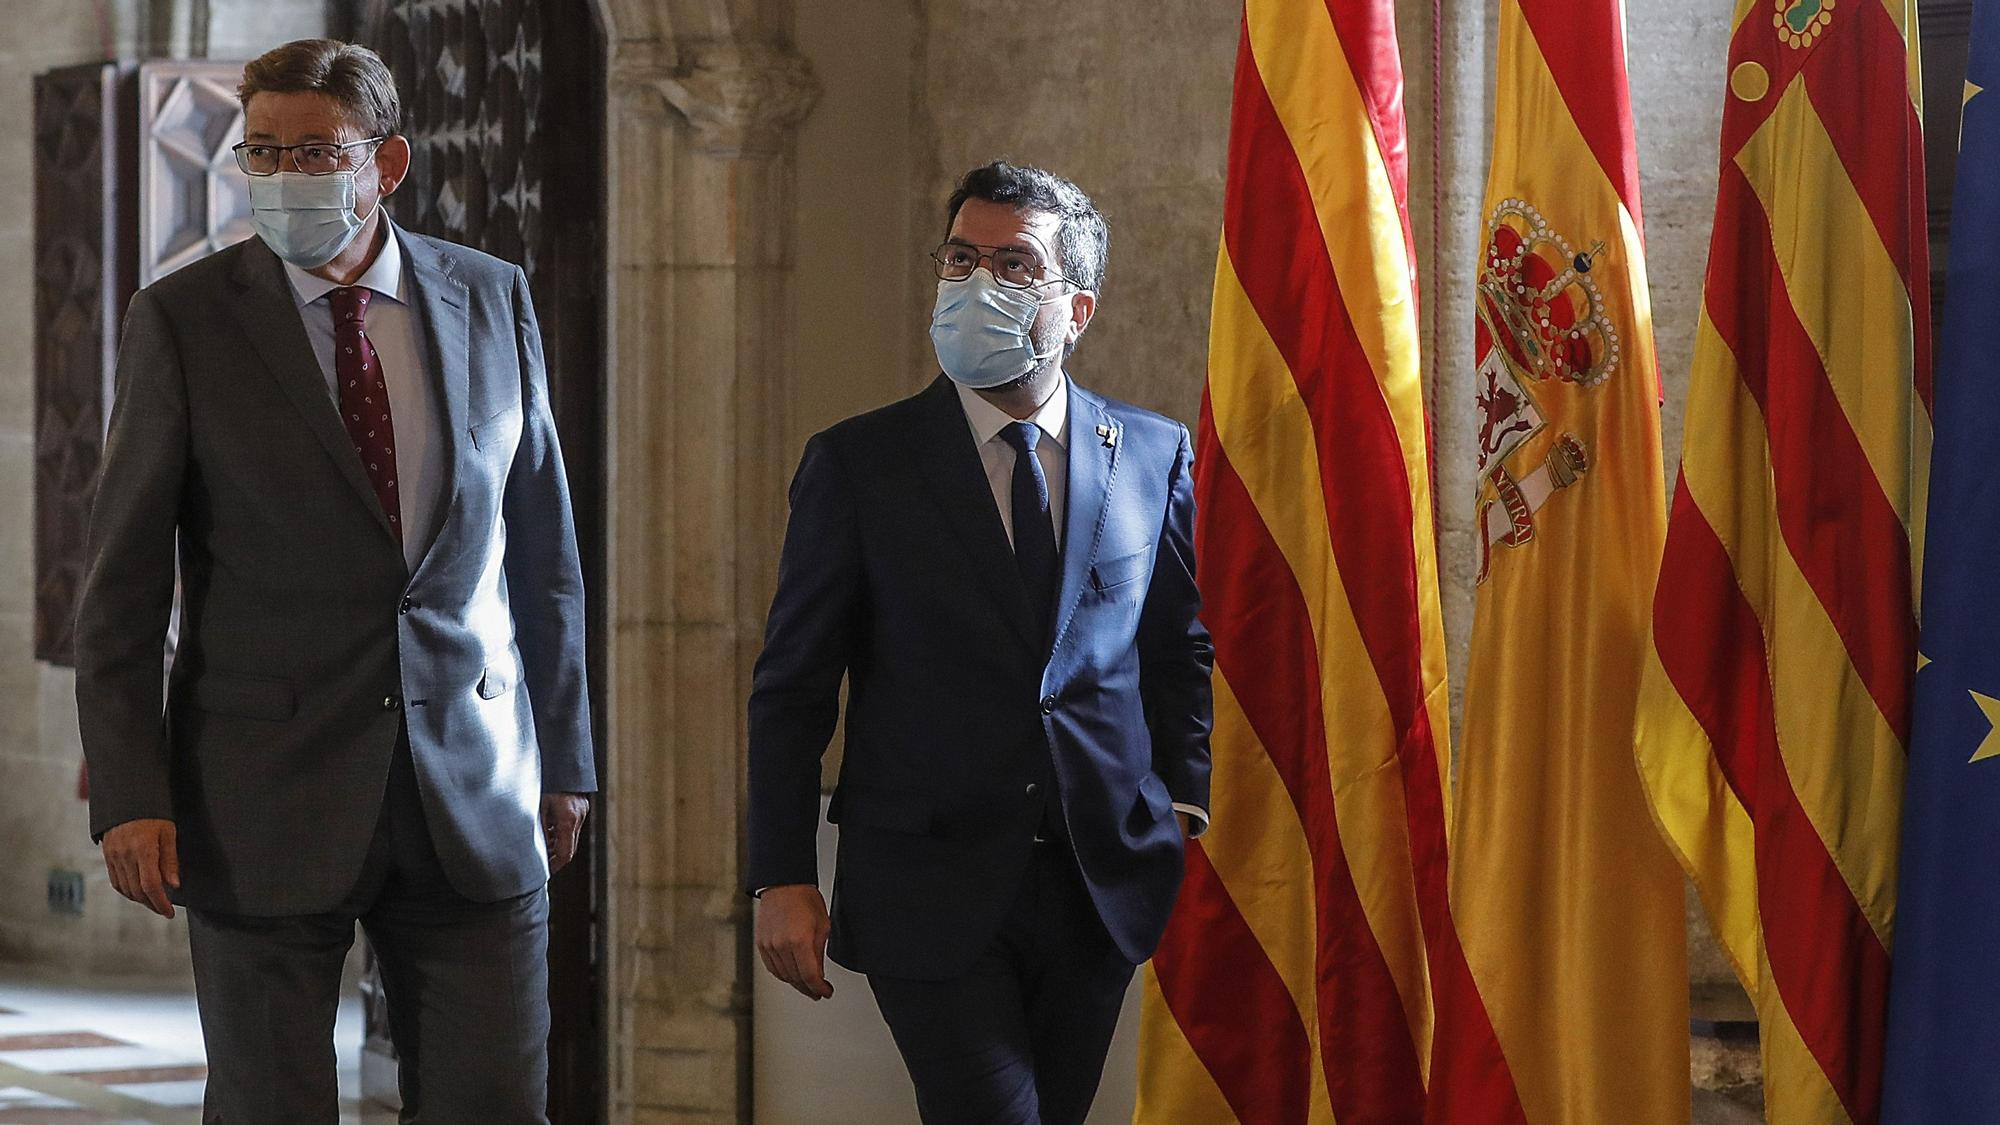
point(1541, 323)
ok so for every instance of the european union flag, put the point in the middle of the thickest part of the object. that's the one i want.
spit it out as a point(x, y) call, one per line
point(1944, 1000)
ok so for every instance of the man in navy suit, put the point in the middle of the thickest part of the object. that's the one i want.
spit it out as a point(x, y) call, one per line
point(1002, 568)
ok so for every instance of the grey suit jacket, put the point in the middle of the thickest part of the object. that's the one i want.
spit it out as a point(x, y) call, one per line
point(305, 641)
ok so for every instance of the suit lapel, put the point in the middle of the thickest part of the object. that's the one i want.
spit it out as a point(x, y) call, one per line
point(439, 299)
point(956, 479)
point(267, 310)
point(1093, 465)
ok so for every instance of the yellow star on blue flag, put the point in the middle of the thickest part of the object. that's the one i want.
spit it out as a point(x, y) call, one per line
point(1989, 747)
point(1944, 995)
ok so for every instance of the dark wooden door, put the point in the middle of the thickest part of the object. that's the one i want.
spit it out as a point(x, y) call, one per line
point(503, 107)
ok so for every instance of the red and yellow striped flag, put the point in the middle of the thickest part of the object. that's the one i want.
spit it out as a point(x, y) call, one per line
point(1775, 711)
point(1569, 905)
point(1295, 983)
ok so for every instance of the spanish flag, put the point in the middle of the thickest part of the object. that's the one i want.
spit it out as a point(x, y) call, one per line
point(1570, 907)
point(1775, 709)
point(1295, 982)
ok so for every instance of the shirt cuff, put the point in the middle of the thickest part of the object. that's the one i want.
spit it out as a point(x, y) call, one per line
point(1195, 813)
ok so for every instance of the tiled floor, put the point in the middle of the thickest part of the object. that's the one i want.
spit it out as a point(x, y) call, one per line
point(114, 1054)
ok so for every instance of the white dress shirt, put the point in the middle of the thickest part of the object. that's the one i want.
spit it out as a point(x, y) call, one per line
point(1052, 418)
point(391, 325)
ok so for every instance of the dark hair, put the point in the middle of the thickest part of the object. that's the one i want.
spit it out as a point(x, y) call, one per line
point(348, 73)
point(1082, 241)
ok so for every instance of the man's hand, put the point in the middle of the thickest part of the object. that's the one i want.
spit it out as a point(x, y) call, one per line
point(792, 927)
point(143, 857)
point(562, 826)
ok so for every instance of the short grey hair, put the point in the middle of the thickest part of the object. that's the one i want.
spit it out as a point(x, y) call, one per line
point(349, 73)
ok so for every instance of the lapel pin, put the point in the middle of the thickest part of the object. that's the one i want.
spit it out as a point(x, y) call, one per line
point(1109, 435)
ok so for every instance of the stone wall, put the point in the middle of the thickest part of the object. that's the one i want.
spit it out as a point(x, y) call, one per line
point(857, 240)
point(1132, 102)
point(42, 824)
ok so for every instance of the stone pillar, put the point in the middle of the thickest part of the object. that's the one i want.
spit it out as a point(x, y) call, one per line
point(700, 222)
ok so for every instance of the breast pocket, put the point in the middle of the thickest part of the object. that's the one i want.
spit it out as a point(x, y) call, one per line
point(1123, 570)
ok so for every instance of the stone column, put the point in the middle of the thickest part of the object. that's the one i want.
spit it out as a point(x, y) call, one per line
point(700, 225)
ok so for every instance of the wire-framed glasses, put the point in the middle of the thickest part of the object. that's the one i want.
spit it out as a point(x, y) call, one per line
point(319, 158)
point(1012, 267)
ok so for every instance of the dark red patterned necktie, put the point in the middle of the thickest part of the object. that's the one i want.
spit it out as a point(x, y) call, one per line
point(364, 398)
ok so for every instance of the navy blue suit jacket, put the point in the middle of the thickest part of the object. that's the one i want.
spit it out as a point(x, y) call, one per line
point(962, 709)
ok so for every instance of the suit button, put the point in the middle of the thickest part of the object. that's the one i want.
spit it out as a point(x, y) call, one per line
point(408, 605)
point(1049, 705)
point(1033, 789)
point(392, 703)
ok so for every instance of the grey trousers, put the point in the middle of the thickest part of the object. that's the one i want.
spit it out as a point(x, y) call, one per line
point(466, 985)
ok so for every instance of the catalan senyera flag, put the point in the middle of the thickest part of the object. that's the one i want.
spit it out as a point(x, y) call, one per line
point(1943, 1059)
point(1569, 905)
point(1775, 708)
point(1296, 979)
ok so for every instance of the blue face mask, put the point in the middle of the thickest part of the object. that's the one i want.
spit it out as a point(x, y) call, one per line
point(983, 331)
point(306, 220)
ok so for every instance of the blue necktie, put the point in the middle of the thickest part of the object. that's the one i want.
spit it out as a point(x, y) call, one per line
point(1034, 529)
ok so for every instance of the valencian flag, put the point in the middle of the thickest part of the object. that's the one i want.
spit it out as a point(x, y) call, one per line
point(1944, 1003)
point(1295, 982)
point(1776, 709)
point(1569, 906)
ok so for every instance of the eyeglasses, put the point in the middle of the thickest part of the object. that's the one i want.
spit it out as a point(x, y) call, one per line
point(319, 158)
point(1013, 268)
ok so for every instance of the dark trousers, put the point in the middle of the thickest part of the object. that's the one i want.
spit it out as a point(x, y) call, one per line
point(1021, 1039)
point(466, 985)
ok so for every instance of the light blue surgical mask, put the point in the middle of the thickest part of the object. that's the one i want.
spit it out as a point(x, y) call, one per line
point(306, 220)
point(983, 331)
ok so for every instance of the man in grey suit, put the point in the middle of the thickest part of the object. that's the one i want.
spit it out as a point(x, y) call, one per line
point(377, 712)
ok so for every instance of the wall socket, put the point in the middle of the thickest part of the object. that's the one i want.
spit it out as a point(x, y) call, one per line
point(65, 892)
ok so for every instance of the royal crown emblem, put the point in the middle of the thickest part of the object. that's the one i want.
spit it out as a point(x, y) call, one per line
point(1542, 323)
point(1539, 303)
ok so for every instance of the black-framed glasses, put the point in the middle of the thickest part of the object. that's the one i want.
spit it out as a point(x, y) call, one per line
point(1012, 267)
point(317, 158)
